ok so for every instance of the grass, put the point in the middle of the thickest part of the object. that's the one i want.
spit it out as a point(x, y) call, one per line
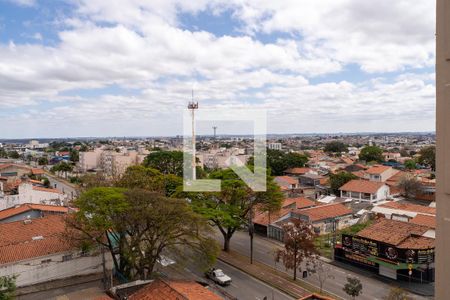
point(324, 242)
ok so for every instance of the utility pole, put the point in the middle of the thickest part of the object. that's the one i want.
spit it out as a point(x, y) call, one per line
point(105, 276)
point(251, 230)
point(193, 106)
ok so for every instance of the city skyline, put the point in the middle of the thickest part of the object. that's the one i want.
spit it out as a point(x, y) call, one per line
point(79, 68)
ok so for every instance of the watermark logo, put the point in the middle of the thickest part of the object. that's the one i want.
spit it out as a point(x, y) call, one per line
point(255, 179)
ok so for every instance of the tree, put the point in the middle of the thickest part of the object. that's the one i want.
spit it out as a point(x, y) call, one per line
point(3, 153)
point(150, 179)
point(43, 161)
point(13, 154)
point(74, 155)
point(339, 179)
point(62, 167)
point(7, 287)
point(409, 185)
point(140, 228)
point(353, 287)
point(371, 153)
point(230, 209)
point(167, 162)
point(397, 293)
point(410, 164)
point(428, 157)
point(298, 245)
point(321, 270)
point(278, 161)
point(335, 147)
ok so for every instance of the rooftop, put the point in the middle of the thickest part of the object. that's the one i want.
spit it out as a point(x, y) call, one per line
point(398, 233)
point(27, 207)
point(410, 207)
point(425, 220)
point(323, 212)
point(378, 169)
point(362, 186)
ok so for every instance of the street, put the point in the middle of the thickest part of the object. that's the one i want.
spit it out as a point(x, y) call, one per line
point(264, 250)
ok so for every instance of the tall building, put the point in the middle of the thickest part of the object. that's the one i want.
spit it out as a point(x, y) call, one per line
point(443, 147)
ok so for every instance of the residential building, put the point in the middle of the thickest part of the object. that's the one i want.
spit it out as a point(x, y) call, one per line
point(380, 173)
point(30, 211)
point(275, 146)
point(90, 160)
point(36, 252)
point(365, 190)
point(286, 183)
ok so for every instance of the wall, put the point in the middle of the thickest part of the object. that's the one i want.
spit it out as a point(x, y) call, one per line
point(34, 271)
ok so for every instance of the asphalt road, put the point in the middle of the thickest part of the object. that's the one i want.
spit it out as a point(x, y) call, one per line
point(264, 250)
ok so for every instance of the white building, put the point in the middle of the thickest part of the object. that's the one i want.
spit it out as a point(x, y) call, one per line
point(29, 193)
point(35, 251)
point(275, 146)
point(365, 190)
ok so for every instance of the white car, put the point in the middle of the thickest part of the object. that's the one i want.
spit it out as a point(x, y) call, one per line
point(218, 277)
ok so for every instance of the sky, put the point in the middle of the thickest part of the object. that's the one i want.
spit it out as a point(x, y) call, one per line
point(87, 68)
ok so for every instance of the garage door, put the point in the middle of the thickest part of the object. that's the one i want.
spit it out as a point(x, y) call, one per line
point(388, 272)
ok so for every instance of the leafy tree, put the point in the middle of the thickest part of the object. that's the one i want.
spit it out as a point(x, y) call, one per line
point(409, 185)
point(371, 153)
point(74, 155)
point(353, 287)
point(150, 179)
point(278, 161)
point(298, 245)
point(167, 162)
point(404, 152)
point(13, 154)
point(43, 161)
point(230, 209)
point(7, 287)
point(410, 164)
point(62, 167)
point(3, 153)
point(428, 157)
point(397, 293)
point(336, 147)
point(140, 228)
point(339, 179)
point(46, 182)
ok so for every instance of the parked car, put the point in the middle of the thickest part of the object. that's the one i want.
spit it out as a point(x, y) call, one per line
point(218, 276)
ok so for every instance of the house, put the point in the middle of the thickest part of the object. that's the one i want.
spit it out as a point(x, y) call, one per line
point(324, 219)
point(36, 252)
point(30, 211)
point(286, 183)
point(163, 289)
point(380, 173)
point(402, 211)
point(29, 192)
point(310, 179)
point(13, 172)
point(297, 171)
point(392, 249)
point(390, 156)
point(262, 220)
point(365, 190)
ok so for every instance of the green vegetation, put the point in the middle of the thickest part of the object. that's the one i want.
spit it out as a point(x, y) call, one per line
point(139, 227)
point(428, 157)
point(410, 164)
point(229, 209)
point(324, 243)
point(353, 287)
point(278, 161)
point(167, 162)
point(336, 147)
point(7, 287)
point(339, 179)
point(371, 154)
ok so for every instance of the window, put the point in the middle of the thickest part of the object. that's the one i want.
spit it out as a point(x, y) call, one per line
point(46, 261)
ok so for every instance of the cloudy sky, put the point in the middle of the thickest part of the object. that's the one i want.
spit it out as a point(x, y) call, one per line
point(127, 67)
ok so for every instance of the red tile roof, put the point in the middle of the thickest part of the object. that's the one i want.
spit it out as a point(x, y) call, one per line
point(300, 202)
point(36, 171)
point(173, 290)
point(398, 233)
point(286, 179)
point(17, 242)
point(297, 171)
point(6, 213)
point(424, 220)
point(410, 207)
point(42, 189)
point(263, 218)
point(362, 186)
point(378, 169)
point(322, 212)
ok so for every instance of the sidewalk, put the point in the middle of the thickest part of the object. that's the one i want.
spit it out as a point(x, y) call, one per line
point(268, 275)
